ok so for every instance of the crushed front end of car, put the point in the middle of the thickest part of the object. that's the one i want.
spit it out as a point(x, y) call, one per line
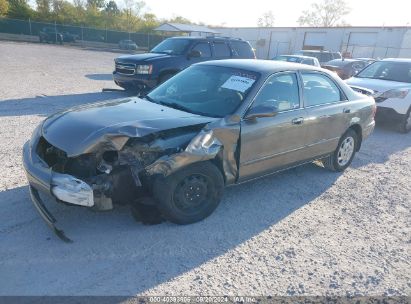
point(117, 164)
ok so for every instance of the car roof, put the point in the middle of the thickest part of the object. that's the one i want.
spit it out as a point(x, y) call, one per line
point(207, 38)
point(297, 56)
point(316, 51)
point(260, 66)
point(408, 60)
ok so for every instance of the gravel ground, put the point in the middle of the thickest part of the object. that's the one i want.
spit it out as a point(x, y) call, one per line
point(306, 231)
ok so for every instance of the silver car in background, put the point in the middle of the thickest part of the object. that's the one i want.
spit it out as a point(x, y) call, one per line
point(127, 45)
point(298, 59)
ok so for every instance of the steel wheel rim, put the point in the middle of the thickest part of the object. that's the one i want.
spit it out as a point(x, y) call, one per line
point(191, 193)
point(346, 151)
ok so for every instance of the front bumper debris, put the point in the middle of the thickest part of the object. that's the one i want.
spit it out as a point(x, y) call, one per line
point(46, 215)
point(40, 178)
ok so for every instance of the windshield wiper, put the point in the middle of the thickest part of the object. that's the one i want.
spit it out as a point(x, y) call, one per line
point(150, 99)
point(175, 105)
point(178, 106)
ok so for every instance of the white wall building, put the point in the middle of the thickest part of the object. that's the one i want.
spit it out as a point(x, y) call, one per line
point(375, 42)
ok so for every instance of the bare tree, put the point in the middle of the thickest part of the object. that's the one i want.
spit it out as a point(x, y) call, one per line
point(266, 20)
point(325, 13)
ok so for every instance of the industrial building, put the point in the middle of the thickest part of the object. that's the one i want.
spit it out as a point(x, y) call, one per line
point(375, 42)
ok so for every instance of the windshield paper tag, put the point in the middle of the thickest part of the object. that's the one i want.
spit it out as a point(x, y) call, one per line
point(238, 83)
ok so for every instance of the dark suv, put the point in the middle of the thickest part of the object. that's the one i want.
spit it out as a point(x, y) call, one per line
point(49, 34)
point(145, 71)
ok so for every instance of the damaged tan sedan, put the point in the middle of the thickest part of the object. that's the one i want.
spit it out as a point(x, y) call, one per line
point(171, 153)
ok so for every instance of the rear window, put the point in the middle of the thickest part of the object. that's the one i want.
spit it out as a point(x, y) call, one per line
point(288, 58)
point(325, 57)
point(242, 49)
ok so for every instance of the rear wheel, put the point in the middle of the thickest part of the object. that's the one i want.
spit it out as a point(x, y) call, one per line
point(191, 194)
point(342, 157)
point(405, 125)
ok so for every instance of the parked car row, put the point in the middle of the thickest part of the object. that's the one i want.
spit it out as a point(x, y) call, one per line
point(49, 34)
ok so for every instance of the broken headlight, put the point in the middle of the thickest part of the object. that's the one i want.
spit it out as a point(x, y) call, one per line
point(72, 190)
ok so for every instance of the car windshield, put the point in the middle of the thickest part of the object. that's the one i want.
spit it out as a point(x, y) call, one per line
point(288, 58)
point(172, 46)
point(388, 70)
point(206, 90)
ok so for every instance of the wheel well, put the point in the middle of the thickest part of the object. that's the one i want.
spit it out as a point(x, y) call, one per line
point(357, 129)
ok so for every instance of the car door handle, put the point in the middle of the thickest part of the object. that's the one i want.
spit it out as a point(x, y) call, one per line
point(297, 121)
point(346, 110)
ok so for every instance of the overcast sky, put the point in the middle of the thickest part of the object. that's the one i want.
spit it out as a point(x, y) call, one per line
point(237, 13)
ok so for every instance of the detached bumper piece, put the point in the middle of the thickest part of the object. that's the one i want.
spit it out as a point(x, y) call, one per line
point(46, 215)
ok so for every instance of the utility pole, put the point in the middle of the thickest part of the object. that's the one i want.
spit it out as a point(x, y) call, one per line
point(30, 27)
point(55, 29)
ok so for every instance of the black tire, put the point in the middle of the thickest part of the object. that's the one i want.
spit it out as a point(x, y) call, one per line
point(405, 124)
point(190, 194)
point(164, 78)
point(335, 162)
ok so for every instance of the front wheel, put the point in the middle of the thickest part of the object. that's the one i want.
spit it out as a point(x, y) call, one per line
point(190, 194)
point(342, 157)
point(405, 125)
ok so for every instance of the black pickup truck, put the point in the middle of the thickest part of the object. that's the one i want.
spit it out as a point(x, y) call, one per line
point(143, 72)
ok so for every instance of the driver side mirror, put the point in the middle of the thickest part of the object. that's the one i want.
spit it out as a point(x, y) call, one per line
point(261, 111)
point(194, 54)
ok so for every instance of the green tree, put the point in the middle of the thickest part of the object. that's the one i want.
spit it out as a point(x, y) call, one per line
point(19, 9)
point(326, 13)
point(95, 4)
point(43, 9)
point(149, 22)
point(266, 20)
point(65, 12)
point(111, 8)
point(180, 19)
point(4, 7)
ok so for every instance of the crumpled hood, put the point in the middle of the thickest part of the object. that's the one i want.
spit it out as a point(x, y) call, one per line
point(81, 129)
point(141, 57)
point(377, 85)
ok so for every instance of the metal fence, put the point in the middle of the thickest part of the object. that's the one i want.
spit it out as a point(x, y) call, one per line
point(32, 28)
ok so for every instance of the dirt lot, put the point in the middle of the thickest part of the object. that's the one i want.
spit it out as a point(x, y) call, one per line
point(306, 231)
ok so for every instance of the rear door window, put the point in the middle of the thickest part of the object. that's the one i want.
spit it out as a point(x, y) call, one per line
point(221, 50)
point(242, 49)
point(319, 89)
point(203, 48)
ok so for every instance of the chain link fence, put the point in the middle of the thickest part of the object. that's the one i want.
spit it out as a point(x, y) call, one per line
point(31, 30)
